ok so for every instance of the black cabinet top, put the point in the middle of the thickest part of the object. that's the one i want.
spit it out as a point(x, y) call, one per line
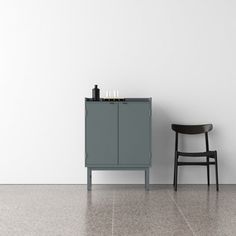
point(120, 100)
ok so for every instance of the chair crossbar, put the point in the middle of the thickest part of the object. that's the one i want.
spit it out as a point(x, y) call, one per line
point(210, 154)
point(188, 163)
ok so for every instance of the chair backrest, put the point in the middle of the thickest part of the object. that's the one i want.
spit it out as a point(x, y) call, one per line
point(192, 129)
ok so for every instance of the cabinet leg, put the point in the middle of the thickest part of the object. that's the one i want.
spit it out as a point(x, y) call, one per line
point(89, 178)
point(147, 178)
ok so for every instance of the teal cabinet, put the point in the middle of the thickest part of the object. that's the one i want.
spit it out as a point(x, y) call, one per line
point(118, 136)
point(101, 137)
point(134, 133)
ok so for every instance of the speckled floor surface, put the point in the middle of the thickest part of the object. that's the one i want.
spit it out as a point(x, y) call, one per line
point(69, 210)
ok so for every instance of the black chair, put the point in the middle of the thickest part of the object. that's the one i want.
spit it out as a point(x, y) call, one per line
point(195, 129)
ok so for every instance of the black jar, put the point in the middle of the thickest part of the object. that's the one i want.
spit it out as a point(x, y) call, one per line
point(96, 93)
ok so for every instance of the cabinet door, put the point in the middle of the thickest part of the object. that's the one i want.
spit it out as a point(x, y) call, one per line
point(101, 135)
point(134, 133)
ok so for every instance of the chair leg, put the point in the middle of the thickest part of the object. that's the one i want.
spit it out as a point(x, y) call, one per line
point(176, 172)
point(174, 176)
point(216, 170)
point(208, 172)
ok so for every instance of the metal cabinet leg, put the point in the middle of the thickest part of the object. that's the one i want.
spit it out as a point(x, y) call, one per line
point(147, 178)
point(89, 178)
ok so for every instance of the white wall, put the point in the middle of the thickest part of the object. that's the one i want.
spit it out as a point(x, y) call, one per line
point(52, 52)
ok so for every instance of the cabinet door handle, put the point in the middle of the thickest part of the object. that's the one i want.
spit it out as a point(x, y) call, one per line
point(112, 103)
point(124, 103)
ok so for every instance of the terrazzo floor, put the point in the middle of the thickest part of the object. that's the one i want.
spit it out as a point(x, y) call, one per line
point(69, 210)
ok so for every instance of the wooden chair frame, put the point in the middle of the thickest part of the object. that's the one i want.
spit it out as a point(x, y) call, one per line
point(193, 130)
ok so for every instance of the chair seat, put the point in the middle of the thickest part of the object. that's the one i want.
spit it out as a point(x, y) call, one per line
point(197, 154)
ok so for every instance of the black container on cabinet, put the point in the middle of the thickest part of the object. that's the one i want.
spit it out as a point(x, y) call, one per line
point(96, 93)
